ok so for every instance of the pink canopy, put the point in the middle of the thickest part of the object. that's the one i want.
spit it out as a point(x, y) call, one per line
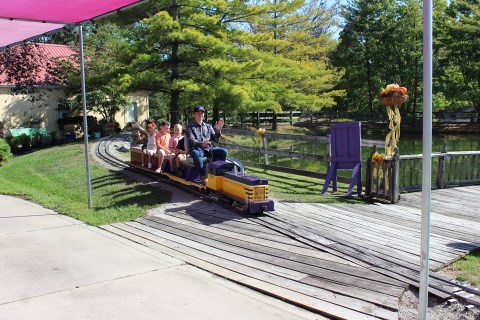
point(26, 19)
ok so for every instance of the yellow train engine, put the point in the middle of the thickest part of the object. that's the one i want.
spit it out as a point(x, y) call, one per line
point(227, 181)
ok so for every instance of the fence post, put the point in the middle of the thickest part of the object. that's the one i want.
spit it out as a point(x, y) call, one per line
point(441, 167)
point(369, 173)
point(394, 180)
point(264, 148)
point(291, 117)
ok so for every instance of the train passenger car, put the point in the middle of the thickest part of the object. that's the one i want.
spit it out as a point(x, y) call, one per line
point(227, 181)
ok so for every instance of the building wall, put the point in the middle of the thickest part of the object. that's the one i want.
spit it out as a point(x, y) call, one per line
point(142, 109)
point(17, 110)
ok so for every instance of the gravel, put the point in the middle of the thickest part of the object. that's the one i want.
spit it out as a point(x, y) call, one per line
point(437, 310)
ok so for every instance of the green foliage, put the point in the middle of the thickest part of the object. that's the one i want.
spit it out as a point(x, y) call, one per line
point(105, 100)
point(5, 152)
point(459, 63)
point(379, 44)
point(219, 54)
point(25, 140)
point(55, 178)
point(468, 269)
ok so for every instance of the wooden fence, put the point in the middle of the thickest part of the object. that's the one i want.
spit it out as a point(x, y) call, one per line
point(290, 117)
point(385, 181)
point(265, 152)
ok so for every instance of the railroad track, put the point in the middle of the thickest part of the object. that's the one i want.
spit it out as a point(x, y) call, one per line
point(466, 294)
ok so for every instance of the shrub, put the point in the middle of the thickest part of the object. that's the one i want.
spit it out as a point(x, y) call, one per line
point(5, 152)
point(25, 140)
point(13, 142)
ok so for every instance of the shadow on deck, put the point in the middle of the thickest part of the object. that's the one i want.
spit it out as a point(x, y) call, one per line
point(347, 261)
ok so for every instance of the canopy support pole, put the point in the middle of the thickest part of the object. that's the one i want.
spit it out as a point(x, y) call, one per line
point(427, 160)
point(85, 124)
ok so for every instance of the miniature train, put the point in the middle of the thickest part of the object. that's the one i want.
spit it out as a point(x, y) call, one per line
point(227, 181)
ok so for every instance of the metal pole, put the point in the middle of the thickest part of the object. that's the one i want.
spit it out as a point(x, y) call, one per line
point(427, 159)
point(85, 125)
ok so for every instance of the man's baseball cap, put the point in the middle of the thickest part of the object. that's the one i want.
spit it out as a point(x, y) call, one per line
point(199, 109)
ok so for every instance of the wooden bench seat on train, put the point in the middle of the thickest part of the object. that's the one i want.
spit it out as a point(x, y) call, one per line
point(186, 171)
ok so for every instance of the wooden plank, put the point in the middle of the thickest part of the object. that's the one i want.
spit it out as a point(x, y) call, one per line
point(337, 277)
point(379, 232)
point(380, 264)
point(321, 301)
point(291, 246)
point(250, 229)
point(354, 240)
point(379, 229)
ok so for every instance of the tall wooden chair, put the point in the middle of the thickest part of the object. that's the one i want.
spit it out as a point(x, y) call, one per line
point(346, 154)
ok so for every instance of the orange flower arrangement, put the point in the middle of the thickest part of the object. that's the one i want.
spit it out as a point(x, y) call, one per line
point(393, 95)
point(260, 132)
point(378, 158)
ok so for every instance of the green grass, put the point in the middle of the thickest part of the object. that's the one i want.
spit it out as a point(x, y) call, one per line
point(468, 269)
point(56, 178)
point(294, 188)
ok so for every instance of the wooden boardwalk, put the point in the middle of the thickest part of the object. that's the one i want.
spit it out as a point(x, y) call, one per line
point(348, 261)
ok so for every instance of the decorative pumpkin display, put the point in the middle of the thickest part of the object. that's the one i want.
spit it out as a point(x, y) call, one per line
point(393, 96)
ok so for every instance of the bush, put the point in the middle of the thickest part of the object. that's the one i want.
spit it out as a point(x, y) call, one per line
point(5, 152)
point(77, 121)
point(25, 140)
point(13, 142)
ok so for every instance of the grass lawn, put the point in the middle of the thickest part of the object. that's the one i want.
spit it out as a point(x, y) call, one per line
point(294, 188)
point(467, 269)
point(56, 178)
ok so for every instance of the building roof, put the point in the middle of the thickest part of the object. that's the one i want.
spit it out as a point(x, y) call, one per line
point(53, 52)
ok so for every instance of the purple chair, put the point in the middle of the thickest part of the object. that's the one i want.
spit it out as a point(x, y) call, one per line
point(346, 153)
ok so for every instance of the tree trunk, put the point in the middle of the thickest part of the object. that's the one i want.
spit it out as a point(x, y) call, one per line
point(274, 121)
point(215, 113)
point(174, 93)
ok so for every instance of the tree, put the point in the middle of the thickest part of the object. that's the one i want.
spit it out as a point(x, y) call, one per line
point(379, 44)
point(204, 53)
point(460, 79)
point(106, 87)
point(294, 44)
point(27, 67)
point(184, 52)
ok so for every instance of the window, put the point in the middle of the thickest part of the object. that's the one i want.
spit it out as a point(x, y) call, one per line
point(62, 111)
point(131, 113)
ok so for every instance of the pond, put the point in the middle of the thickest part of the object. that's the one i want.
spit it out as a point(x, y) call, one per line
point(408, 144)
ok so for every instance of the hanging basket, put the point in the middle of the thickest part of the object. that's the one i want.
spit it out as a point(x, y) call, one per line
point(393, 99)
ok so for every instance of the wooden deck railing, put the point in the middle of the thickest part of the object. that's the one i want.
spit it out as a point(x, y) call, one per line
point(402, 173)
point(450, 169)
point(265, 152)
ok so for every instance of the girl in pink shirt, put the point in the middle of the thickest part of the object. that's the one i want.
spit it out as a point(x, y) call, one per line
point(162, 140)
point(151, 149)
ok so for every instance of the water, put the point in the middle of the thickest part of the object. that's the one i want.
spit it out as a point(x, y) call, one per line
point(408, 144)
point(455, 142)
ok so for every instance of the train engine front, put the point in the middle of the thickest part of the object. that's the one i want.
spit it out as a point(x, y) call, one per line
point(229, 180)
